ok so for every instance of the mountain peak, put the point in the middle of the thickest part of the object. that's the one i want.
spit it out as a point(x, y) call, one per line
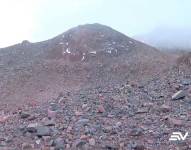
point(92, 38)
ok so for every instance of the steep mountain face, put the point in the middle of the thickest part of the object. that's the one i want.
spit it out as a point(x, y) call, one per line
point(79, 42)
point(86, 55)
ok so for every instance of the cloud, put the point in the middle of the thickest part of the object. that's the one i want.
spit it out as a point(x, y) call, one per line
point(56, 16)
point(17, 21)
point(37, 20)
point(29, 19)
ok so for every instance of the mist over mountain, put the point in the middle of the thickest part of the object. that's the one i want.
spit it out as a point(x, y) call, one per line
point(168, 38)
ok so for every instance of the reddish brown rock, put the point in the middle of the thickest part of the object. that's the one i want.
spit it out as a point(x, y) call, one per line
point(51, 114)
point(3, 118)
point(100, 109)
point(175, 122)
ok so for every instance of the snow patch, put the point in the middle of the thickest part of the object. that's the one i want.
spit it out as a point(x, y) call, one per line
point(93, 52)
point(63, 52)
point(130, 42)
point(83, 56)
point(109, 51)
point(61, 43)
point(68, 51)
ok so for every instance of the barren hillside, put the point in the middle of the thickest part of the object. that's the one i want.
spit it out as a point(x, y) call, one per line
point(92, 87)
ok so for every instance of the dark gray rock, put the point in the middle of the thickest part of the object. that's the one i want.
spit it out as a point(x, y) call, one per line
point(24, 115)
point(80, 123)
point(136, 132)
point(59, 144)
point(32, 128)
point(79, 143)
point(43, 131)
point(186, 82)
point(179, 95)
point(49, 122)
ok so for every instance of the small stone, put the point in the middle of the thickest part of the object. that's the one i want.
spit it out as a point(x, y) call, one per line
point(132, 145)
point(135, 146)
point(69, 129)
point(67, 146)
point(51, 114)
point(175, 122)
point(140, 147)
point(179, 95)
point(3, 119)
point(8, 139)
point(142, 110)
point(100, 109)
point(148, 104)
point(91, 130)
point(87, 109)
point(61, 126)
point(46, 148)
point(118, 124)
point(84, 137)
point(165, 108)
point(122, 145)
point(186, 82)
point(82, 122)
point(110, 115)
point(136, 132)
point(78, 113)
point(92, 141)
point(79, 143)
point(54, 106)
point(84, 106)
point(32, 127)
point(43, 131)
point(59, 144)
point(30, 118)
point(37, 142)
point(51, 143)
point(3, 144)
point(24, 115)
point(26, 146)
point(48, 122)
point(111, 146)
point(47, 140)
point(107, 129)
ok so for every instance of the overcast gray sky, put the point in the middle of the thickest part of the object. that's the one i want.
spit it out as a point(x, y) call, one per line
point(37, 20)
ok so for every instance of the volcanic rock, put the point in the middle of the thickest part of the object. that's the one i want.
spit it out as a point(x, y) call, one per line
point(179, 95)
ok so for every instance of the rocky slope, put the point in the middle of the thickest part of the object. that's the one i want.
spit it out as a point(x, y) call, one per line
point(92, 88)
point(83, 56)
